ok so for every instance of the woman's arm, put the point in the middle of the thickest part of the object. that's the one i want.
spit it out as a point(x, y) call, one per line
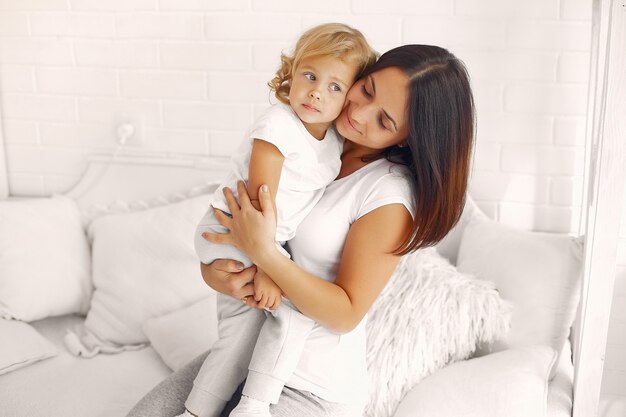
point(366, 264)
point(365, 267)
point(228, 276)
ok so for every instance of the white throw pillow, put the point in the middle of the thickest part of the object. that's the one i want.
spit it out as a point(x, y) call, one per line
point(21, 346)
point(180, 336)
point(511, 383)
point(540, 273)
point(144, 266)
point(44, 259)
point(427, 316)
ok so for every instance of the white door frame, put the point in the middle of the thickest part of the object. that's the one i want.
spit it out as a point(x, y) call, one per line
point(4, 174)
point(602, 208)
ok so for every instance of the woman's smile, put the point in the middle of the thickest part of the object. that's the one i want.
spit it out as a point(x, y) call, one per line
point(348, 121)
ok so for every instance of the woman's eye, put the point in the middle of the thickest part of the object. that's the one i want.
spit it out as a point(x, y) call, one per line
point(335, 87)
point(309, 76)
point(381, 123)
point(364, 91)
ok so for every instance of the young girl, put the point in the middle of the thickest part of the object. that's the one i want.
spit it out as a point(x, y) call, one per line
point(294, 149)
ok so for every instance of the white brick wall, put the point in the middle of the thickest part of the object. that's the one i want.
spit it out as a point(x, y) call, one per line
point(164, 84)
point(159, 26)
point(113, 53)
point(204, 55)
point(403, 7)
point(249, 26)
point(34, 5)
point(37, 107)
point(92, 25)
point(17, 78)
point(76, 82)
point(533, 9)
point(203, 5)
point(30, 50)
point(191, 74)
point(13, 24)
point(111, 5)
point(474, 32)
point(549, 35)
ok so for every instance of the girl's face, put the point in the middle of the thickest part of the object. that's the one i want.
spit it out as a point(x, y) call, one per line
point(375, 114)
point(318, 91)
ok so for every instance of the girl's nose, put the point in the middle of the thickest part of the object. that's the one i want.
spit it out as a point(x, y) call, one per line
point(315, 94)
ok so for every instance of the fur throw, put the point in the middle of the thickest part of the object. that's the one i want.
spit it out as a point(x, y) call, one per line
point(428, 315)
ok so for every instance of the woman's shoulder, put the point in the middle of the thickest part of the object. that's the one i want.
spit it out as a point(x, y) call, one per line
point(391, 178)
point(382, 182)
point(385, 172)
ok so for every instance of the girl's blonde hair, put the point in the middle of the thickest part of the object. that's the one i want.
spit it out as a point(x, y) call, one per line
point(330, 39)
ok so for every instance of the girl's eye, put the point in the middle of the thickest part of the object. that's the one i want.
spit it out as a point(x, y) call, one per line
point(365, 92)
point(309, 76)
point(335, 87)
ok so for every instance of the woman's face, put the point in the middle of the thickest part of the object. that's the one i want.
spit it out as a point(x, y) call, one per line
point(375, 113)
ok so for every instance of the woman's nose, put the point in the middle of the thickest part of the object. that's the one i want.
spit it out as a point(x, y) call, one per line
point(359, 113)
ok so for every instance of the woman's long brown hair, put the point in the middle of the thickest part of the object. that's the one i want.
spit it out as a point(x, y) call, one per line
point(441, 138)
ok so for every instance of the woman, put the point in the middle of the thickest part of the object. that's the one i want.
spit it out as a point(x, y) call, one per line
point(408, 125)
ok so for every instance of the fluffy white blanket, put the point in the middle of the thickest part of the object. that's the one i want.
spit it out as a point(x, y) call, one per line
point(428, 315)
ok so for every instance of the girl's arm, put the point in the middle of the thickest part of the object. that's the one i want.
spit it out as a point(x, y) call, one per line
point(366, 264)
point(266, 163)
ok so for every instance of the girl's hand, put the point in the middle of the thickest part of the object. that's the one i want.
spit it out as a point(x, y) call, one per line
point(251, 231)
point(228, 277)
point(266, 293)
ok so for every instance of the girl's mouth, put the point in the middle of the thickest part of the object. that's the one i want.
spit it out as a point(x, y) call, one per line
point(310, 108)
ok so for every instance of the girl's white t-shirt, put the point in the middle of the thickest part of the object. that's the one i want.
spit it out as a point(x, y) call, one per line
point(335, 368)
point(309, 166)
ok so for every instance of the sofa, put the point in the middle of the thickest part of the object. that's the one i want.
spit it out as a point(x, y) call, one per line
point(100, 299)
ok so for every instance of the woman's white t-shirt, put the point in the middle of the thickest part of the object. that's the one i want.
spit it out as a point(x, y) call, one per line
point(309, 165)
point(335, 368)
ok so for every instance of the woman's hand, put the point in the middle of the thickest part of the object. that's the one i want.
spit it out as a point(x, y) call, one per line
point(228, 277)
point(251, 231)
